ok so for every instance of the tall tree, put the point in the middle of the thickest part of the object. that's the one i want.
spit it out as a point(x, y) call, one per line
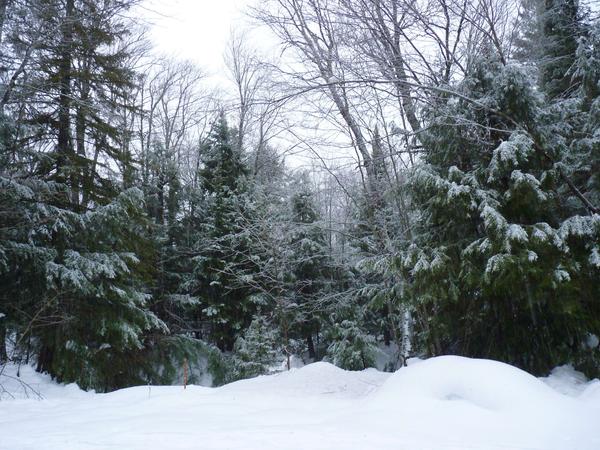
point(562, 27)
point(311, 269)
point(81, 70)
point(502, 265)
point(70, 243)
point(222, 246)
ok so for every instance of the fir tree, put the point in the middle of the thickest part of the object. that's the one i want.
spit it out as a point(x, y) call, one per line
point(95, 289)
point(562, 27)
point(310, 269)
point(71, 244)
point(255, 351)
point(351, 348)
point(529, 32)
point(222, 247)
point(75, 290)
point(501, 265)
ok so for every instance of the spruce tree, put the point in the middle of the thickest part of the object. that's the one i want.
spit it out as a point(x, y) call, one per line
point(76, 295)
point(98, 292)
point(351, 348)
point(311, 269)
point(78, 73)
point(73, 291)
point(222, 248)
point(501, 266)
point(562, 27)
point(255, 351)
point(529, 32)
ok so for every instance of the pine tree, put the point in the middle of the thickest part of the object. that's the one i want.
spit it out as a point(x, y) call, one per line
point(76, 70)
point(76, 294)
point(311, 269)
point(529, 32)
point(222, 247)
point(351, 348)
point(562, 27)
point(586, 145)
point(502, 267)
point(255, 351)
point(72, 286)
point(100, 296)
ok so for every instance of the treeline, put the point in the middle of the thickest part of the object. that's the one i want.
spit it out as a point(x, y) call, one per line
point(145, 220)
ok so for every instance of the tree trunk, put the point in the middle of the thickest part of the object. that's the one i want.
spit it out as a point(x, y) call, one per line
point(88, 181)
point(387, 335)
point(3, 354)
point(311, 347)
point(80, 173)
point(3, 7)
point(65, 144)
point(45, 359)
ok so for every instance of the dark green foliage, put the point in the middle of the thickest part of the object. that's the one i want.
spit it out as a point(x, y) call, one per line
point(224, 171)
point(222, 264)
point(96, 294)
point(75, 92)
point(256, 351)
point(71, 282)
point(585, 148)
point(547, 38)
point(562, 27)
point(491, 249)
point(74, 287)
point(502, 266)
point(351, 348)
point(163, 362)
point(529, 31)
point(311, 270)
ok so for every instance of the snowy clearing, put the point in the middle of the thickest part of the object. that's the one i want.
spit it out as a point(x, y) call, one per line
point(441, 403)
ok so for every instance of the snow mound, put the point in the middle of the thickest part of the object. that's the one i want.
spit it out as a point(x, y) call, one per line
point(591, 393)
point(318, 378)
point(448, 403)
point(23, 382)
point(486, 384)
point(566, 380)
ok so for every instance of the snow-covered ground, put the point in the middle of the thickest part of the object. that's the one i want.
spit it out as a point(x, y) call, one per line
point(441, 403)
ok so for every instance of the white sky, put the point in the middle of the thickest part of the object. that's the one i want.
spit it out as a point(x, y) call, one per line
point(197, 30)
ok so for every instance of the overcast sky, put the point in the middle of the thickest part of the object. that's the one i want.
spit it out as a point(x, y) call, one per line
point(197, 30)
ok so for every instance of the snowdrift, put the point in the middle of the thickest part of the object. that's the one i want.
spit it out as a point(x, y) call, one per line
point(441, 403)
point(480, 383)
point(317, 379)
point(488, 404)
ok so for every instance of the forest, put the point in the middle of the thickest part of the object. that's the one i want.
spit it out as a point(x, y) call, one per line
point(421, 177)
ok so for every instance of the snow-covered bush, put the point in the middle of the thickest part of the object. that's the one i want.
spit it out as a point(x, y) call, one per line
point(351, 348)
point(255, 352)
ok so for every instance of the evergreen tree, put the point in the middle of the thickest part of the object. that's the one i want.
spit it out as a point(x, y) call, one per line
point(529, 32)
point(76, 73)
point(311, 269)
point(562, 27)
point(73, 289)
point(382, 227)
point(75, 286)
point(501, 267)
point(222, 247)
point(255, 351)
point(98, 293)
point(586, 144)
point(351, 348)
